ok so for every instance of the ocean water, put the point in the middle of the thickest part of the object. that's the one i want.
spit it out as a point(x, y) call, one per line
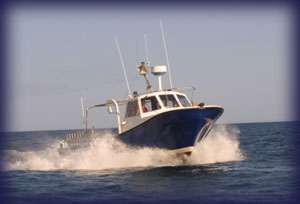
point(236, 163)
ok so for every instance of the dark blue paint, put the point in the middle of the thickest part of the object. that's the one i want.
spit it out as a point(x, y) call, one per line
point(173, 130)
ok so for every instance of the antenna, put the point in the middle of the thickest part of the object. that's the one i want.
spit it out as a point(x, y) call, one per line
point(123, 66)
point(166, 52)
point(83, 116)
point(136, 50)
point(146, 48)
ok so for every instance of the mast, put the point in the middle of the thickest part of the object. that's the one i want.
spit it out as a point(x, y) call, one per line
point(166, 53)
point(146, 49)
point(144, 71)
point(123, 66)
point(83, 115)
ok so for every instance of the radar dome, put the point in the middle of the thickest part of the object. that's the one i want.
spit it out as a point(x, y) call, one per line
point(159, 70)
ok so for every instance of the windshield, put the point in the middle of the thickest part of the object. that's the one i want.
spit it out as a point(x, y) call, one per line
point(169, 100)
point(150, 104)
point(184, 102)
point(132, 109)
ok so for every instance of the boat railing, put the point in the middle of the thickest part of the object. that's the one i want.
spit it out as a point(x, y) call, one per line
point(186, 90)
point(77, 139)
point(109, 104)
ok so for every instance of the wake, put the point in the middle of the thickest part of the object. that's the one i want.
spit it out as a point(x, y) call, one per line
point(106, 152)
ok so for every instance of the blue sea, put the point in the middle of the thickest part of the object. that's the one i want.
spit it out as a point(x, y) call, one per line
point(236, 163)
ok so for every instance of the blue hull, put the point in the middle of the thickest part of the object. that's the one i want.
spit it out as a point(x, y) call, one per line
point(173, 130)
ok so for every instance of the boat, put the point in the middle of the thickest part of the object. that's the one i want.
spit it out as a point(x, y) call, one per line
point(164, 118)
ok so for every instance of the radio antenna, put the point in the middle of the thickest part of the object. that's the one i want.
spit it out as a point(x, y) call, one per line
point(83, 115)
point(166, 52)
point(146, 48)
point(137, 56)
point(123, 66)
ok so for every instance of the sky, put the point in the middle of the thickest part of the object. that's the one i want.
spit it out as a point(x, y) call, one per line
point(235, 57)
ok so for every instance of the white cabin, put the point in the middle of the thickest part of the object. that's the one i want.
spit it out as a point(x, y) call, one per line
point(145, 106)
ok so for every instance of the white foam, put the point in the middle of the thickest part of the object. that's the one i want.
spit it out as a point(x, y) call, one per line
point(221, 145)
point(106, 152)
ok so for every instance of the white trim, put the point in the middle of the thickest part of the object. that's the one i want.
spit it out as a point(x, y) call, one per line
point(212, 106)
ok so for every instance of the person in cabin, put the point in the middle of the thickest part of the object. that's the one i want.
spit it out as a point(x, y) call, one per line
point(143, 107)
point(175, 104)
point(156, 105)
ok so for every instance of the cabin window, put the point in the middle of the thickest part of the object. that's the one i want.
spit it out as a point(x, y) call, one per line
point(150, 104)
point(184, 102)
point(169, 100)
point(132, 109)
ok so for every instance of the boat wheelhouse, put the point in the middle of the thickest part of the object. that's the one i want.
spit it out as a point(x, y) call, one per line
point(143, 107)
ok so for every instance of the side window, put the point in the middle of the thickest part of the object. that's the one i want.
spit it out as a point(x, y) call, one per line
point(150, 104)
point(132, 109)
point(184, 102)
point(169, 100)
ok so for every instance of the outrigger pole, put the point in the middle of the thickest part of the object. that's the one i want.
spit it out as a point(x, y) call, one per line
point(83, 115)
point(123, 66)
point(166, 52)
point(146, 48)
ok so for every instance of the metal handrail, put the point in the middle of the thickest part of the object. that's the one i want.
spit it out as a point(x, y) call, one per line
point(108, 104)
